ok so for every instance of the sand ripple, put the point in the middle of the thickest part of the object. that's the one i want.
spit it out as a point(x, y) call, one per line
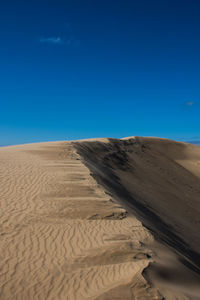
point(61, 236)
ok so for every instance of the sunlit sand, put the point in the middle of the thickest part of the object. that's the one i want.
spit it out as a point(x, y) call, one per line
point(100, 219)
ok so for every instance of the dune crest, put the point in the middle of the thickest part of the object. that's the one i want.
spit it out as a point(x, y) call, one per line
point(79, 220)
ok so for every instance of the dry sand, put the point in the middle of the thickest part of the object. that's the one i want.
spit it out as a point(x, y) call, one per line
point(102, 219)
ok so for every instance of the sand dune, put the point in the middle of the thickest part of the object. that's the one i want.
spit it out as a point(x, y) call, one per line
point(100, 219)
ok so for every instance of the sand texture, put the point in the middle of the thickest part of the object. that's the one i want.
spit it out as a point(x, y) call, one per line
point(102, 219)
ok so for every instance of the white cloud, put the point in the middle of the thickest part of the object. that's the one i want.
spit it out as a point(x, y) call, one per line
point(190, 103)
point(52, 40)
point(61, 41)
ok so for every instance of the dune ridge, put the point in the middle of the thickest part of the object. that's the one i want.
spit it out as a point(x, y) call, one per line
point(72, 228)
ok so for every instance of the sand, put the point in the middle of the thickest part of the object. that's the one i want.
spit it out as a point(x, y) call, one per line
point(100, 219)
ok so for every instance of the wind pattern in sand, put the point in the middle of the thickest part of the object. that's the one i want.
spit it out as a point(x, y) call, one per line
point(62, 236)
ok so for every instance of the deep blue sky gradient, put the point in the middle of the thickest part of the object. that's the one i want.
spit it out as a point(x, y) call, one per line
point(79, 69)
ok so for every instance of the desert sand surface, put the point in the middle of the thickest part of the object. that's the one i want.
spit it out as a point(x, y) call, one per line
point(104, 219)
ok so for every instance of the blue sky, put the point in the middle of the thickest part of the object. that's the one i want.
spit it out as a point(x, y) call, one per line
point(80, 69)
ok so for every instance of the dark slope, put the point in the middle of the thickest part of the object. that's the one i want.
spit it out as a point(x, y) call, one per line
point(158, 181)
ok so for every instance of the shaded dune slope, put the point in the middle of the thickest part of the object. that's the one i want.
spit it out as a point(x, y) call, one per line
point(159, 181)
